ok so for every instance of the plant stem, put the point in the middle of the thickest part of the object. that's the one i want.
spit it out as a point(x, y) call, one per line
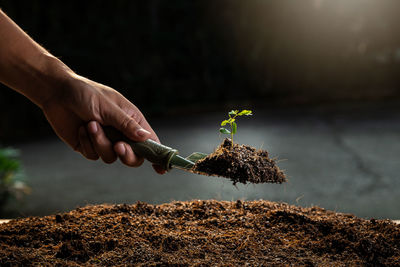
point(231, 123)
point(231, 132)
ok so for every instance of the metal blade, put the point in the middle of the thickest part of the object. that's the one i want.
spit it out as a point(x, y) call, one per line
point(181, 162)
point(195, 156)
point(188, 162)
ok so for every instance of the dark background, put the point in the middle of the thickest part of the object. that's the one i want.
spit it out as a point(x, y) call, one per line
point(171, 57)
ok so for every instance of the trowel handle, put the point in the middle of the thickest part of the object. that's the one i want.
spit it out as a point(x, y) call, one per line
point(152, 151)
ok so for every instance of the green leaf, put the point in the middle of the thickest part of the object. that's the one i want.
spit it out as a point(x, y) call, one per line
point(223, 123)
point(234, 128)
point(224, 131)
point(233, 112)
point(230, 120)
point(9, 152)
point(245, 112)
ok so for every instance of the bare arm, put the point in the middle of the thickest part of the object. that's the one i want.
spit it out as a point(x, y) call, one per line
point(76, 107)
point(25, 66)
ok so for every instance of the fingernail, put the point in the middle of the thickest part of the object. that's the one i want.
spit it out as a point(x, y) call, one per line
point(142, 133)
point(92, 127)
point(121, 149)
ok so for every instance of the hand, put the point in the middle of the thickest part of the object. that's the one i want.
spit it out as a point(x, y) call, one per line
point(76, 107)
point(81, 107)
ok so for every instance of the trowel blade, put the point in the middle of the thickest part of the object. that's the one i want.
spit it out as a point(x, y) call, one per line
point(188, 162)
point(181, 163)
point(196, 156)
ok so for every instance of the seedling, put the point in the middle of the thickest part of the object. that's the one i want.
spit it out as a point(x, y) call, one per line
point(238, 162)
point(232, 121)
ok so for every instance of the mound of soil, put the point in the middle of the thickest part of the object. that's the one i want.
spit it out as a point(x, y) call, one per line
point(200, 233)
point(240, 163)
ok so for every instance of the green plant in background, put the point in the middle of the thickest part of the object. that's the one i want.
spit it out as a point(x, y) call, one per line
point(11, 176)
point(232, 121)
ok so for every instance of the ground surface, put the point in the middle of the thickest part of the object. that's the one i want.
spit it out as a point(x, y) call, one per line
point(201, 233)
point(346, 161)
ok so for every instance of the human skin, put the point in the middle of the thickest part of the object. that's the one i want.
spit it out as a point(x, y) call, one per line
point(76, 107)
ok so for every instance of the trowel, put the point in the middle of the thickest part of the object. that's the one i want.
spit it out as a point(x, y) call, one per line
point(243, 164)
point(156, 153)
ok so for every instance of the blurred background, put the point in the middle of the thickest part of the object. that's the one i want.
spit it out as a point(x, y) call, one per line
point(322, 79)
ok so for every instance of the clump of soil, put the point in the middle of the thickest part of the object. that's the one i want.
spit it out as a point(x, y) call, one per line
point(200, 233)
point(240, 163)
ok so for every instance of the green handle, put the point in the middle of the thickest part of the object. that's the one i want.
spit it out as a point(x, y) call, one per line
point(152, 151)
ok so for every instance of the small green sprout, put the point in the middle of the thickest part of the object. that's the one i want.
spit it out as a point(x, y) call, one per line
point(231, 121)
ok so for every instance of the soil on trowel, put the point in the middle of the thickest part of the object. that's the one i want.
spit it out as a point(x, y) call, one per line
point(240, 163)
point(200, 233)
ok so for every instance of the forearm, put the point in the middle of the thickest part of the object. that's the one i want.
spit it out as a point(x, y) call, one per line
point(27, 67)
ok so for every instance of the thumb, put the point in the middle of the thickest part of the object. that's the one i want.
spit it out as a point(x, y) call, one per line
point(121, 121)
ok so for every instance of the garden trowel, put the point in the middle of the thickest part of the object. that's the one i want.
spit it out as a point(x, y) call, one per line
point(156, 153)
point(239, 163)
point(165, 156)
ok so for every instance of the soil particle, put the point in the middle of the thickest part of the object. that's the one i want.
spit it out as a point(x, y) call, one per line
point(200, 233)
point(240, 163)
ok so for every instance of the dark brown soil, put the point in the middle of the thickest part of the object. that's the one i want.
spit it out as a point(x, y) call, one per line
point(200, 233)
point(240, 163)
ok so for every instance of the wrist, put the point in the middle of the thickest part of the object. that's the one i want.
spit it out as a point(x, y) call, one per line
point(38, 75)
point(51, 80)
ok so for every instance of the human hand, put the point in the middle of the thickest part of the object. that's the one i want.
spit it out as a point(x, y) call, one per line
point(76, 107)
point(78, 111)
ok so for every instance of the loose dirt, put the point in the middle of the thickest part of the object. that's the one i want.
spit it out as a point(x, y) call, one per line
point(240, 163)
point(200, 233)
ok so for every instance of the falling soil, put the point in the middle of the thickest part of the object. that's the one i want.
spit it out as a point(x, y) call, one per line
point(240, 163)
point(200, 233)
